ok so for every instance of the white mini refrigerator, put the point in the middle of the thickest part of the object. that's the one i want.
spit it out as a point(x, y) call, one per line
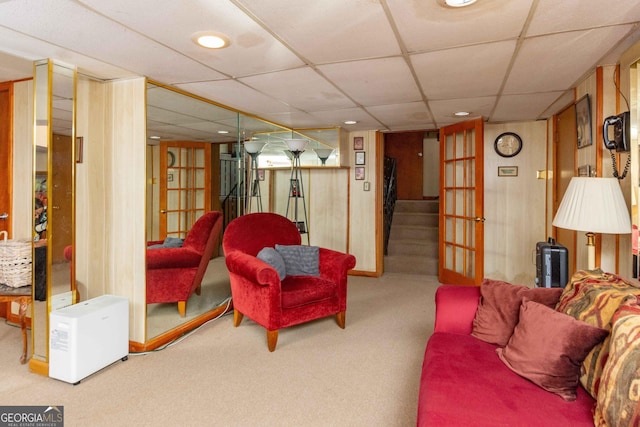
point(86, 337)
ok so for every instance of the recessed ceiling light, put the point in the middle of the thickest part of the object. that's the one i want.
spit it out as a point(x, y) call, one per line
point(459, 3)
point(461, 113)
point(211, 39)
point(223, 131)
point(154, 137)
point(350, 122)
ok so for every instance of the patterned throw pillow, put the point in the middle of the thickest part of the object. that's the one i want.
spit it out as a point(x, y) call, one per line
point(593, 297)
point(618, 400)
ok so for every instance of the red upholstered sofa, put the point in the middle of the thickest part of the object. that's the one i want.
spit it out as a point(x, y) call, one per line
point(464, 382)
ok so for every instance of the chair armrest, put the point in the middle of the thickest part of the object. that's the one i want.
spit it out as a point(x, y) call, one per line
point(172, 258)
point(456, 308)
point(154, 242)
point(251, 268)
point(334, 264)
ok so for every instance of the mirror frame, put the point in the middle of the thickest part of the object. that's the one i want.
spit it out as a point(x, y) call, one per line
point(44, 122)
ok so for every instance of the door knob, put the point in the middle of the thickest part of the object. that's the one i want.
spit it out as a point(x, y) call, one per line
point(4, 216)
point(162, 211)
point(479, 219)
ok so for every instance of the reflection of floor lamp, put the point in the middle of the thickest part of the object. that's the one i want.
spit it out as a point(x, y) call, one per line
point(593, 205)
point(323, 154)
point(253, 192)
point(296, 190)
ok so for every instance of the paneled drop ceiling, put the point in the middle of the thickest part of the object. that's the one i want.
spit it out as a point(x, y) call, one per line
point(388, 64)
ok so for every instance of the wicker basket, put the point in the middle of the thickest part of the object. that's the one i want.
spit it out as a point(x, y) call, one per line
point(15, 262)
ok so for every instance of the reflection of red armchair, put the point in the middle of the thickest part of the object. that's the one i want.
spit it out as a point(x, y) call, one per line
point(257, 290)
point(173, 274)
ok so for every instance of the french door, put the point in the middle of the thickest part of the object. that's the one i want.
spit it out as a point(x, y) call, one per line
point(185, 186)
point(461, 253)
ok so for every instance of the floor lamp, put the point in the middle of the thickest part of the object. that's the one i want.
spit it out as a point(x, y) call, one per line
point(593, 205)
point(254, 149)
point(296, 189)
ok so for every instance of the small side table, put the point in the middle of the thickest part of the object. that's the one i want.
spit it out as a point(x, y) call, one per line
point(22, 296)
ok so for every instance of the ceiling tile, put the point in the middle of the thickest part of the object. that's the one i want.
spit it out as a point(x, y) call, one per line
point(292, 87)
point(402, 115)
point(109, 41)
point(329, 30)
point(470, 71)
point(361, 80)
point(512, 107)
point(559, 16)
point(443, 110)
point(236, 95)
point(560, 59)
point(338, 117)
point(428, 26)
point(172, 23)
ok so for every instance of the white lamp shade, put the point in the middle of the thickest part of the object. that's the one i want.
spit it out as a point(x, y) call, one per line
point(253, 147)
point(297, 144)
point(323, 153)
point(593, 205)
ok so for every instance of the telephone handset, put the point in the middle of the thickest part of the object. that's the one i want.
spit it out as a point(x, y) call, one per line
point(621, 140)
point(621, 132)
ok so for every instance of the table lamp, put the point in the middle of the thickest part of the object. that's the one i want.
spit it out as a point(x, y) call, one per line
point(593, 205)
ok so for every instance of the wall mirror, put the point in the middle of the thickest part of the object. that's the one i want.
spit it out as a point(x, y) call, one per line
point(177, 122)
point(54, 188)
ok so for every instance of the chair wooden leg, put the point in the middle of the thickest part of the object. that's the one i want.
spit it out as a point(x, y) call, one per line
point(199, 290)
point(340, 319)
point(272, 339)
point(237, 318)
point(182, 308)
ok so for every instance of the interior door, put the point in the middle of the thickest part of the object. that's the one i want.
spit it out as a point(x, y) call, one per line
point(564, 170)
point(461, 203)
point(6, 150)
point(406, 148)
point(185, 186)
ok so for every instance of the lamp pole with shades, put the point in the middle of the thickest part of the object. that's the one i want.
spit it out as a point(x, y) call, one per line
point(296, 189)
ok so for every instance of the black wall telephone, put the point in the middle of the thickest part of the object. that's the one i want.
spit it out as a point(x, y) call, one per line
point(620, 141)
point(621, 132)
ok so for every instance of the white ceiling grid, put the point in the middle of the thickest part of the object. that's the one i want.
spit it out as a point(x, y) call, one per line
point(390, 64)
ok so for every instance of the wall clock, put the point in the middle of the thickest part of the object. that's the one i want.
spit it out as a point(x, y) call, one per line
point(171, 159)
point(508, 144)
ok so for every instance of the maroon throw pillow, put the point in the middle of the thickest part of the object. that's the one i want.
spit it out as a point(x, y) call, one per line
point(499, 308)
point(547, 348)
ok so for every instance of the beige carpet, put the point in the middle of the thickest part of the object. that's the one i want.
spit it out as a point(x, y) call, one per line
point(320, 375)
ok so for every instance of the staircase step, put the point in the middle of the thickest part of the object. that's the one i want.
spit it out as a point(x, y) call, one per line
point(427, 248)
point(424, 206)
point(411, 264)
point(415, 218)
point(413, 232)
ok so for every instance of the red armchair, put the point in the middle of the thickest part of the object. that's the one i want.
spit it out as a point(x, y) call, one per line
point(173, 274)
point(257, 290)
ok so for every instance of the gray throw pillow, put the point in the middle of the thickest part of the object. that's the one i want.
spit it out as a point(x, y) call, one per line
point(169, 242)
point(300, 260)
point(274, 259)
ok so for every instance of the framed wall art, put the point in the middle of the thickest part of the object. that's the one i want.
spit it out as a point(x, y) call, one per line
point(507, 171)
point(358, 143)
point(360, 157)
point(583, 121)
point(359, 173)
